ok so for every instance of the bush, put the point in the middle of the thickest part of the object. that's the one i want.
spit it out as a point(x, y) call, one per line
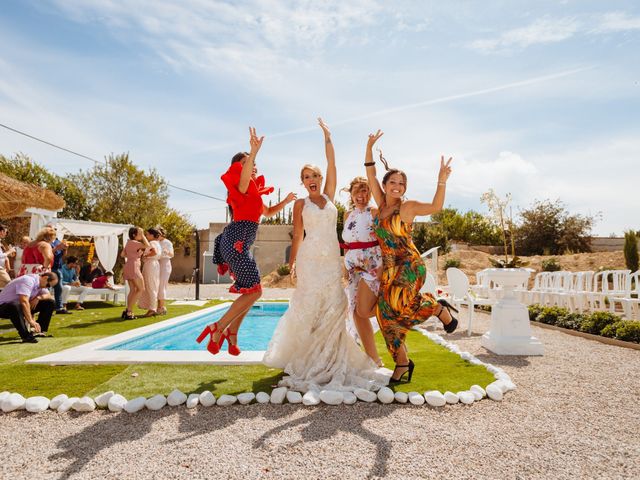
point(626, 330)
point(283, 270)
point(550, 315)
point(551, 265)
point(596, 322)
point(631, 250)
point(572, 321)
point(452, 263)
point(534, 311)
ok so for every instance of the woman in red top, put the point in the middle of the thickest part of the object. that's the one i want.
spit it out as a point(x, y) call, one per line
point(232, 250)
point(38, 255)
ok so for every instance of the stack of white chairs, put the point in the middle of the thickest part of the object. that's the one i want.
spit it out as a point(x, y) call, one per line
point(461, 294)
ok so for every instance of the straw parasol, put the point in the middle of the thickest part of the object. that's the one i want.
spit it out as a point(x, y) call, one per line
point(17, 196)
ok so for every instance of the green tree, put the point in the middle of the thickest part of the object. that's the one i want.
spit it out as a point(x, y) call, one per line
point(22, 168)
point(547, 228)
point(428, 235)
point(631, 250)
point(471, 227)
point(120, 192)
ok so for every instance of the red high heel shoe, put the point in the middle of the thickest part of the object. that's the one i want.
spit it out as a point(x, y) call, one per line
point(231, 348)
point(213, 347)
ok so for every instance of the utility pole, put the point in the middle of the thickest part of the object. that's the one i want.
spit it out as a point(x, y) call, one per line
point(196, 271)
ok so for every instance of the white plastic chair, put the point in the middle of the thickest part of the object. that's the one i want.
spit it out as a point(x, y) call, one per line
point(430, 285)
point(630, 302)
point(460, 295)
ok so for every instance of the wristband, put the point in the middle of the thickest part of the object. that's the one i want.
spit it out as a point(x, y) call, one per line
point(442, 183)
point(369, 164)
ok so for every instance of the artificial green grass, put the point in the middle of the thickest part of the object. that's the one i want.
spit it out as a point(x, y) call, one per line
point(436, 367)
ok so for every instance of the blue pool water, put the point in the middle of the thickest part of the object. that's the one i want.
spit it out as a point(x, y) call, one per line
point(255, 332)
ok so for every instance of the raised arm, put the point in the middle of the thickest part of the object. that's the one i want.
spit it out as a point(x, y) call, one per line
point(247, 168)
point(331, 176)
point(298, 235)
point(415, 208)
point(374, 185)
point(271, 211)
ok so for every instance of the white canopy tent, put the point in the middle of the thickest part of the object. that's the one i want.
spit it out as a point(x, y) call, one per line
point(105, 236)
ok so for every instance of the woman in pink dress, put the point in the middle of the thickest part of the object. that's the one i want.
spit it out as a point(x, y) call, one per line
point(151, 273)
point(132, 252)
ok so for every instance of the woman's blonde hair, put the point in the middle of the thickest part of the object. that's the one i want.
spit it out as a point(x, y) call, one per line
point(313, 168)
point(47, 234)
point(355, 185)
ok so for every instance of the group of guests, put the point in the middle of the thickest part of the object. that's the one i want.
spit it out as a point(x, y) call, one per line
point(39, 266)
point(147, 269)
point(386, 273)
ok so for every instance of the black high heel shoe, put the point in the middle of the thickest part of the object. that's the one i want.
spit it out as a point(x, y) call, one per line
point(124, 315)
point(410, 366)
point(453, 324)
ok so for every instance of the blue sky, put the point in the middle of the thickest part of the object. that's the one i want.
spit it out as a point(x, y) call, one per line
point(539, 99)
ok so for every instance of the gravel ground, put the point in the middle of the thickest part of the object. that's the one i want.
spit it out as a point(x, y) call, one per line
point(574, 415)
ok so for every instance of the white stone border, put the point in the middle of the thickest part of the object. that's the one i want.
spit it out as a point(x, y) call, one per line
point(114, 402)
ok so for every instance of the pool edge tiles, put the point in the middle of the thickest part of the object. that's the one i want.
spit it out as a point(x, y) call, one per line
point(95, 353)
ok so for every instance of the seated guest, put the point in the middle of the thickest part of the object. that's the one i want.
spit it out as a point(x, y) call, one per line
point(71, 284)
point(90, 271)
point(104, 281)
point(23, 297)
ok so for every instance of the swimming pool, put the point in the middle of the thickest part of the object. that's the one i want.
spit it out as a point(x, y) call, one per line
point(173, 341)
point(255, 333)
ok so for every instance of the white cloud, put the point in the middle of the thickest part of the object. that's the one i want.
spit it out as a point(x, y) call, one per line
point(555, 30)
point(541, 31)
point(617, 22)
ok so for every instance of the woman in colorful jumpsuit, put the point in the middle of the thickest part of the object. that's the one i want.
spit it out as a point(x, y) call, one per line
point(232, 248)
point(401, 306)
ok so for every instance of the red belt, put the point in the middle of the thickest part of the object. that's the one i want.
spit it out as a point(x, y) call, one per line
point(358, 245)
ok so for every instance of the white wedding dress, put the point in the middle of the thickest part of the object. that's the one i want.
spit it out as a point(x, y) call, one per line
point(311, 343)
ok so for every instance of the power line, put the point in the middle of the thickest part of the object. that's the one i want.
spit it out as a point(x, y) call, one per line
point(98, 161)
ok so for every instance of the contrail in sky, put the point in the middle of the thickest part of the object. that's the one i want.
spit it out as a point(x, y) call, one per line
point(433, 101)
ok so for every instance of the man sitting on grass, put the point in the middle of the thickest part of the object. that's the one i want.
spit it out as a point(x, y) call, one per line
point(25, 296)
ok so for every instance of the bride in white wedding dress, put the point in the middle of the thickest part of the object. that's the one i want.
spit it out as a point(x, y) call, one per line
point(311, 343)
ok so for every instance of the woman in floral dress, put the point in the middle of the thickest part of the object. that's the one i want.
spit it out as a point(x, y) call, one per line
point(363, 263)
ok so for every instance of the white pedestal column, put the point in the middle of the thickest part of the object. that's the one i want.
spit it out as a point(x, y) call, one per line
point(510, 332)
